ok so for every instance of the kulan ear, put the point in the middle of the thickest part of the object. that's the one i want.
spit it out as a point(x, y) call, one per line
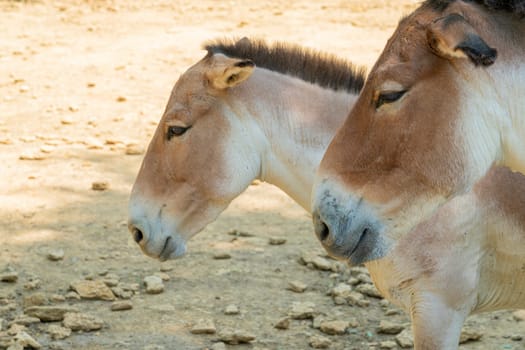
point(453, 37)
point(226, 72)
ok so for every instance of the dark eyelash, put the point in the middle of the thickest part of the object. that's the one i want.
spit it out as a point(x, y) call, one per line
point(389, 97)
point(174, 131)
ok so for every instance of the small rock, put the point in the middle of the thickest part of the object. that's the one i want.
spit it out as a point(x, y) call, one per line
point(49, 313)
point(72, 296)
point(36, 299)
point(153, 284)
point(26, 341)
point(204, 326)
point(218, 346)
point(516, 337)
point(231, 310)
point(9, 306)
point(121, 293)
point(154, 347)
point(32, 156)
point(27, 139)
point(82, 322)
point(111, 141)
point(32, 284)
point(353, 281)
point(110, 282)
point(133, 287)
point(283, 323)
point(134, 149)
point(353, 323)
point(384, 303)
point(519, 315)
point(100, 185)
point(9, 276)
point(357, 299)
point(121, 99)
point(302, 310)
point(405, 339)
point(163, 268)
point(57, 298)
point(319, 342)
point(334, 327)
point(296, 286)
point(364, 278)
point(47, 149)
point(369, 289)
point(164, 276)
point(14, 329)
point(55, 255)
point(317, 320)
point(221, 256)
point(72, 108)
point(93, 143)
point(357, 270)
point(121, 305)
point(58, 332)
point(165, 308)
point(93, 290)
point(388, 344)
point(67, 120)
point(322, 264)
point(469, 335)
point(342, 290)
point(235, 336)
point(25, 320)
point(276, 241)
point(392, 312)
point(387, 327)
point(339, 301)
point(238, 233)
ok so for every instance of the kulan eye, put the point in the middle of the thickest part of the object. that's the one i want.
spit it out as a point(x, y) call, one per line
point(389, 97)
point(175, 131)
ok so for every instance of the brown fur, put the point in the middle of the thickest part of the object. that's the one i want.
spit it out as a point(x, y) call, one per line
point(307, 64)
point(506, 190)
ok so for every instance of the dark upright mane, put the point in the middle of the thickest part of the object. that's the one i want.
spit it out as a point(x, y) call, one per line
point(513, 6)
point(307, 64)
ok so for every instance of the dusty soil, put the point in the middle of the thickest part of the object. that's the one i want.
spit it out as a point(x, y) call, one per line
point(83, 83)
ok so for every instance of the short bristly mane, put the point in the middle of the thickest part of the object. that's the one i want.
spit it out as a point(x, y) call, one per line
point(313, 66)
point(513, 6)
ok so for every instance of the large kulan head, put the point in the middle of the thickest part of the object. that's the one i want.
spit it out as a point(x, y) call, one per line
point(199, 159)
point(419, 134)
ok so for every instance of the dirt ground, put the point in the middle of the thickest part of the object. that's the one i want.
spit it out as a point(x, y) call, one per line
point(82, 86)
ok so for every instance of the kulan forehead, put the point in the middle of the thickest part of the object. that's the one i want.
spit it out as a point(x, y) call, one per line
point(407, 52)
point(190, 84)
point(409, 39)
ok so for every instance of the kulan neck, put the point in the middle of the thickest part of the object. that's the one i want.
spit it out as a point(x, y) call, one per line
point(298, 120)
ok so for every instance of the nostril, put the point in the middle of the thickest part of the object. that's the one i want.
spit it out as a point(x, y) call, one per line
point(137, 235)
point(324, 232)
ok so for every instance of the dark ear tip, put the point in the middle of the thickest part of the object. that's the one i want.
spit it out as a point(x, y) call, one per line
point(245, 63)
point(491, 57)
point(478, 52)
point(485, 58)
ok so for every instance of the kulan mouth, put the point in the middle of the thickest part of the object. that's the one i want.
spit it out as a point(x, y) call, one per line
point(166, 250)
point(358, 244)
